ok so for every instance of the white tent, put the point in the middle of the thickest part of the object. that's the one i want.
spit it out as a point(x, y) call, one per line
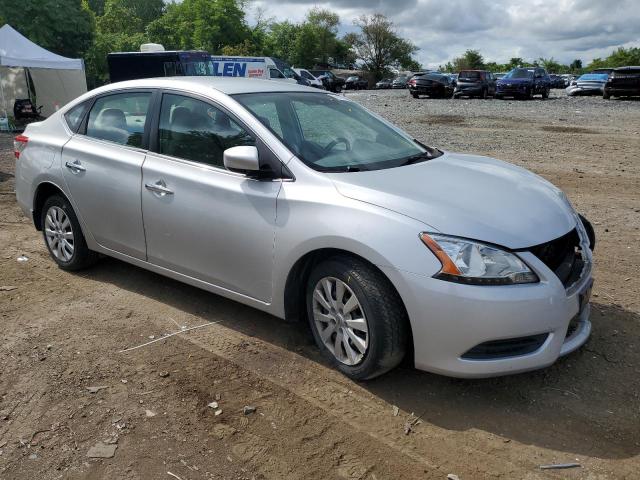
point(56, 79)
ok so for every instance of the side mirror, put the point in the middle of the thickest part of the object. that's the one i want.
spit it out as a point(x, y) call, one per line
point(242, 159)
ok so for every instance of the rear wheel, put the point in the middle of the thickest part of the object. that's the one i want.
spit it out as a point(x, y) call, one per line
point(357, 318)
point(606, 95)
point(63, 236)
point(545, 92)
point(485, 93)
point(414, 95)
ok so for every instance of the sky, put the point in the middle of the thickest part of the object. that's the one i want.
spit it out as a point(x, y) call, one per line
point(499, 29)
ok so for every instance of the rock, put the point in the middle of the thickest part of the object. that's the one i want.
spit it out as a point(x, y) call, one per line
point(96, 389)
point(218, 412)
point(149, 413)
point(213, 405)
point(124, 380)
point(163, 374)
point(248, 409)
point(33, 456)
point(396, 411)
point(22, 258)
point(7, 288)
point(452, 476)
point(102, 450)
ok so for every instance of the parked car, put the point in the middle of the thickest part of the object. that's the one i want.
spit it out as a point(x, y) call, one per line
point(524, 83)
point(306, 74)
point(588, 84)
point(623, 82)
point(355, 82)
point(400, 81)
point(380, 242)
point(556, 81)
point(499, 75)
point(330, 81)
point(433, 84)
point(475, 83)
point(384, 83)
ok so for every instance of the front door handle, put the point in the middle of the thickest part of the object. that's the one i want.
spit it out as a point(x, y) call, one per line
point(159, 187)
point(75, 166)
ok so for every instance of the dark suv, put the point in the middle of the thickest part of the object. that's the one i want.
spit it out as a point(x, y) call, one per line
point(623, 82)
point(475, 83)
point(524, 83)
point(330, 81)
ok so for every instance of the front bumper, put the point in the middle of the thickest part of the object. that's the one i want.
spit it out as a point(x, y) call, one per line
point(513, 90)
point(450, 319)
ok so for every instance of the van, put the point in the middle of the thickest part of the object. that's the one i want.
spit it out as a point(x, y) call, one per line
point(269, 68)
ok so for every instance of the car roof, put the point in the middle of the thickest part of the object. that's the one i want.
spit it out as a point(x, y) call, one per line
point(622, 69)
point(227, 85)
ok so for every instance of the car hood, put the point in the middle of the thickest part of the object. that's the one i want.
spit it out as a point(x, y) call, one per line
point(468, 196)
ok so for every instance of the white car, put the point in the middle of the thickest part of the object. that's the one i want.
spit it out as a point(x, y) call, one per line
point(307, 75)
point(305, 205)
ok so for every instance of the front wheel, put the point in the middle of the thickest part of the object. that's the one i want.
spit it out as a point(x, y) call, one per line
point(414, 95)
point(606, 95)
point(545, 93)
point(357, 318)
point(63, 236)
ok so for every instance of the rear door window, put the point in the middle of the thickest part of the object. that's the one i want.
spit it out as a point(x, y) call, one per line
point(119, 118)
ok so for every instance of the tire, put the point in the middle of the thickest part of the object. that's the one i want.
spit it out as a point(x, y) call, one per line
point(415, 95)
point(485, 93)
point(606, 95)
point(498, 96)
point(378, 304)
point(59, 225)
point(545, 93)
point(529, 94)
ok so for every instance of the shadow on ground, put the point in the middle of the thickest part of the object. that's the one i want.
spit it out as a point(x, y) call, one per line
point(587, 403)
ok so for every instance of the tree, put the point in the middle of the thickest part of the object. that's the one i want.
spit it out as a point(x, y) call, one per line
point(620, 57)
point(324, 24)
point(65, 27)
point(378, 45)
point(552, 66)
point(470, 60)
point(201, 24)
point(576, 65)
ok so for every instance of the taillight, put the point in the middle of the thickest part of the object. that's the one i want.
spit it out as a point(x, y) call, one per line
point(19, 143)
point(412, 81)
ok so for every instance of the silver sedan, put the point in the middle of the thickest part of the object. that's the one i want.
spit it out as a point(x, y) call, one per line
point(305, 205)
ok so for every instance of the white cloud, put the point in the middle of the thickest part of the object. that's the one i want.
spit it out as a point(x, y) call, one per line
point(500, 29)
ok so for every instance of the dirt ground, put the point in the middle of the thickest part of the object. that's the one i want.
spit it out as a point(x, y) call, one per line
point(63, 332)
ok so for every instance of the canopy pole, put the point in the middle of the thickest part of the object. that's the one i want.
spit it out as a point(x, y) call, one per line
point(4, 103)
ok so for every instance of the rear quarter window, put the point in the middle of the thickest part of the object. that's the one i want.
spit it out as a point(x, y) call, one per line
point(75, 115)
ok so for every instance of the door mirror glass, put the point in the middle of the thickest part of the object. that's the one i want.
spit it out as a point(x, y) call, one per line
point(243, 159)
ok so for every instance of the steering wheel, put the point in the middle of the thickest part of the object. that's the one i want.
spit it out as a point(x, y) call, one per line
point(335, 142)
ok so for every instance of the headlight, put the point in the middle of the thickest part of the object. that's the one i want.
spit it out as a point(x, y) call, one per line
point(466, 261)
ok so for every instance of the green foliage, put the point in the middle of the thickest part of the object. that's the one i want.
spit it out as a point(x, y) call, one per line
point(620, 57)
point(379, 46)
point(63, 26)
point(201, 24)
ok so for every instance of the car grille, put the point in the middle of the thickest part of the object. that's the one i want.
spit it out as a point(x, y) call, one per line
point(563, 256)
point(510, 347)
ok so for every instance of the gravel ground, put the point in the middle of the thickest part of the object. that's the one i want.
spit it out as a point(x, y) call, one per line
point(62, 333)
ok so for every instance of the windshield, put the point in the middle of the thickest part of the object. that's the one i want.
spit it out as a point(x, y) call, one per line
point(332, 134)
point(519, 73)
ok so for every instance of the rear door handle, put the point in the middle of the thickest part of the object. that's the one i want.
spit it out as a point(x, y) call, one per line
point(159, 187)
point(75, 166)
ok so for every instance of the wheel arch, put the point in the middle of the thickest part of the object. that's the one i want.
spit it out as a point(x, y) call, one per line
point(42, 192)
point(294, 296)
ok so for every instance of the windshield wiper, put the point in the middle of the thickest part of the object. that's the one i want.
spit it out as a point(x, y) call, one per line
point(421, 157)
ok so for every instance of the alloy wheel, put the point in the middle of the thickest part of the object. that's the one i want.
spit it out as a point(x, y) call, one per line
point(340, 320)
point(59, 234)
